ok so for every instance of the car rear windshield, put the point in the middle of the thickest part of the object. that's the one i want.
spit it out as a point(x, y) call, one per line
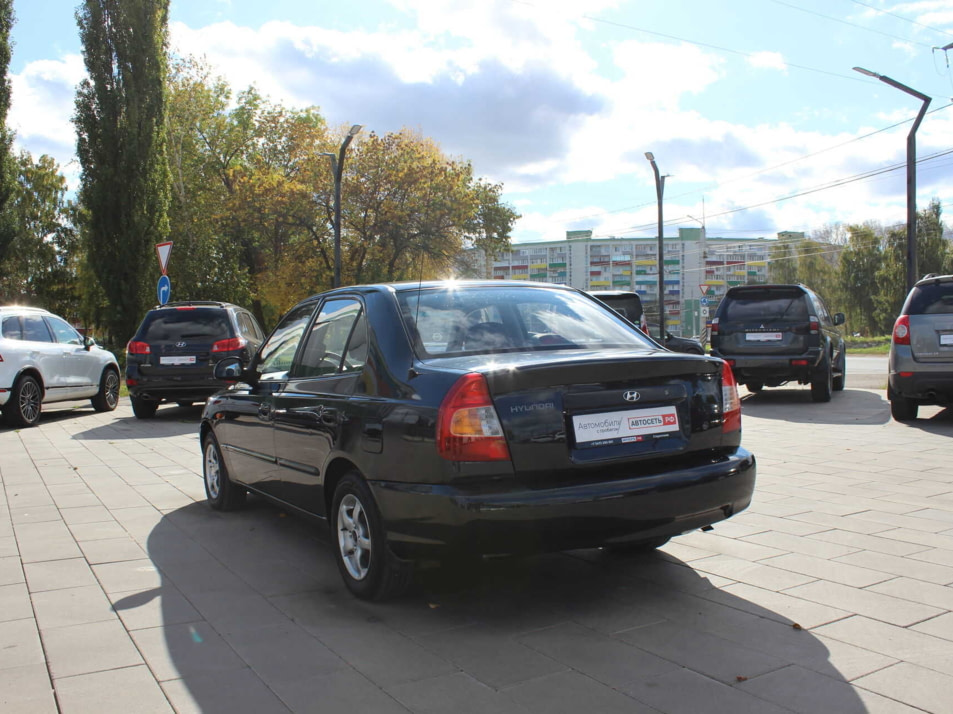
point(178, 324)
point(931, 299)
point(774, 304)
point(470, 319)
point(629, 306)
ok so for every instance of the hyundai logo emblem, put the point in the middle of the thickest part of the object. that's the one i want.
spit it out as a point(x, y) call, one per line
point(180, 344)
point(631, 396)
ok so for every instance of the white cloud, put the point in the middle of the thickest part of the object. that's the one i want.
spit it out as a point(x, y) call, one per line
point(42, 103)
point(768, 60)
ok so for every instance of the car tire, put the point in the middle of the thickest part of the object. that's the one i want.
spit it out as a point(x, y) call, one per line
point(25, 404)
point(754, 386)
point(369, 569)
point(903, 408)
point(107, 398)
point(144, 408)
point(221, 492)
point(822, 382)
point(637, 547)
point(841, 379)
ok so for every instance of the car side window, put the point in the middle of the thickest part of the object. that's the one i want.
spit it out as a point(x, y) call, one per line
point(35, 329)
point(278, 352)
point(333, 345)
point(11, 328)
point(64, 332)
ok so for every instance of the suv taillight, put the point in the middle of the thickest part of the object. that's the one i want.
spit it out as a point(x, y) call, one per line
point(229, 345)
point(468, 428)
point(714, 326)
point(901, 331)
point(138, 348)
point(731, 416)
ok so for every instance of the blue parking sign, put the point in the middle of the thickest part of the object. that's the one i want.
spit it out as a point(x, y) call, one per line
point(164, 289)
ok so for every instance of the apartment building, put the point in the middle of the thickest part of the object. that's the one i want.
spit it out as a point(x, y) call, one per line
point(691, 262)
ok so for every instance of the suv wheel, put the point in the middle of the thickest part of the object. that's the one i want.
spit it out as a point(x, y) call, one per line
point(108, 396)
point(23, 409)
point(841, 379)
point(754, 387)
point(822, 382)
point(144, 408)
point(903, 408)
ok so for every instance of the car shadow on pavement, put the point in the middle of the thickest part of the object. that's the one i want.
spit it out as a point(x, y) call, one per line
point(851, 406)
point(168, 421)
point(246, 612)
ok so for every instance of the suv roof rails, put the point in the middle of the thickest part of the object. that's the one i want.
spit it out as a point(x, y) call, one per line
point(194, 303)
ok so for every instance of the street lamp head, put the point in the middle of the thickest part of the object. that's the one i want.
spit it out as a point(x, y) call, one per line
point(355, 130)
point(867, 72)
point(650, 156)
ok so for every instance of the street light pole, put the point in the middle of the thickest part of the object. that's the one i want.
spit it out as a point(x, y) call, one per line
point(337, 168)
point(911, 171)
point(659, 192)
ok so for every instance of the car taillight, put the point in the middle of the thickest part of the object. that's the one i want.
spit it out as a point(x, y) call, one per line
point(731, 416)
point(815, 324)
point(131, 382)
point(235, 343)
point(468, 428)
point(799, 363)
point(138, 348)
point(714, 326)
point(901, 331)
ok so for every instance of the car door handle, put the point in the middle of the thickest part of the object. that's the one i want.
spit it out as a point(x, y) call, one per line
point(265, 412)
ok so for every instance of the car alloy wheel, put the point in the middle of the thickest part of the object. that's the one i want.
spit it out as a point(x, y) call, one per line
point(222, 494)
point(107, 398)
point(213, 471)
point(24, 406)
point(354, 537)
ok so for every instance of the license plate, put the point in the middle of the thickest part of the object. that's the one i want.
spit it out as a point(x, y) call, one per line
point(763, 336)
point(623, 427)
point(946, 339)
point(178, 359)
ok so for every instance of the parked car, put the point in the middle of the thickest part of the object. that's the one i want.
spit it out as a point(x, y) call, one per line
point(921, 352)
point(426, 420)
point(774, 334)
point(172, 355)
point(43, 359)
point(629, 305)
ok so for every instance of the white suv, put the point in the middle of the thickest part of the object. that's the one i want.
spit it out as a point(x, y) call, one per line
point(43, 359)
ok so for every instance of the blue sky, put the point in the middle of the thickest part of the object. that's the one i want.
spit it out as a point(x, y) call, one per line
point(743, 102)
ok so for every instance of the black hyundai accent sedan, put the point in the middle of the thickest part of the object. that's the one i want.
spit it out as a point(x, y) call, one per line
point(427, 419)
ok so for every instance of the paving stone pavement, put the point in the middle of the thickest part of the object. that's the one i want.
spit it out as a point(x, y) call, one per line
point(120, 591)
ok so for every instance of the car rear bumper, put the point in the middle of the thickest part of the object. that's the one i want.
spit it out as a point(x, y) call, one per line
point(927, 387)
point(766, 367)
point(424, 519)
point(175, 390)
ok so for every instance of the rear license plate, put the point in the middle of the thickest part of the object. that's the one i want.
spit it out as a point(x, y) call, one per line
point(946, 339)
point(178, 359)
point(624, 427)
point(763, 336)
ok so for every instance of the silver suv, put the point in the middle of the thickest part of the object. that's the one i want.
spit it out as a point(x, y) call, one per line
point(921, 353)
point(43, 359)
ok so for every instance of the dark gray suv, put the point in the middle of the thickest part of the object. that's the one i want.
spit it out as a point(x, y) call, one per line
point(175, 349)
point(921, 352)
point(773, 334)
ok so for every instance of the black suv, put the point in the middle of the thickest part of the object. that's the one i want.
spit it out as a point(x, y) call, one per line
point(773, 334)
point(629, 305)
point(173, 353)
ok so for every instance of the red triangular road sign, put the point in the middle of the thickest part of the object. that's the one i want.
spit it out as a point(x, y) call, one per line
point(163, 250)
point(704, 288)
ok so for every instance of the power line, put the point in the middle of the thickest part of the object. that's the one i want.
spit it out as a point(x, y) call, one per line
point(900, 17)
point(852, 24)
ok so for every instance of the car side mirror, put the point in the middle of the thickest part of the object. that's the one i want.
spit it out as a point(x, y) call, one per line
point(839, 318)
point(232, 370)
point(88, 343)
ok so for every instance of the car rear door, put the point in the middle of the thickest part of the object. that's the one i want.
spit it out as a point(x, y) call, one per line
point(930, 314)
point(764, 321)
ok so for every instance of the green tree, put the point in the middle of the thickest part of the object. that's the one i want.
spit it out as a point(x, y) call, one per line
point(8, 162)
point(860, 263)
point(782, 263)
point(121, 147)
point(933, 250)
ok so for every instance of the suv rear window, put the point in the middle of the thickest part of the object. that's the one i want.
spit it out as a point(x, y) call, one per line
point(765, 304)
point(189, 324)
point(931, 299)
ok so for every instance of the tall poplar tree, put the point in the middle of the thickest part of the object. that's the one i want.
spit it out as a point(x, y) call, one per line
point(121, 145)
point(8, 164)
